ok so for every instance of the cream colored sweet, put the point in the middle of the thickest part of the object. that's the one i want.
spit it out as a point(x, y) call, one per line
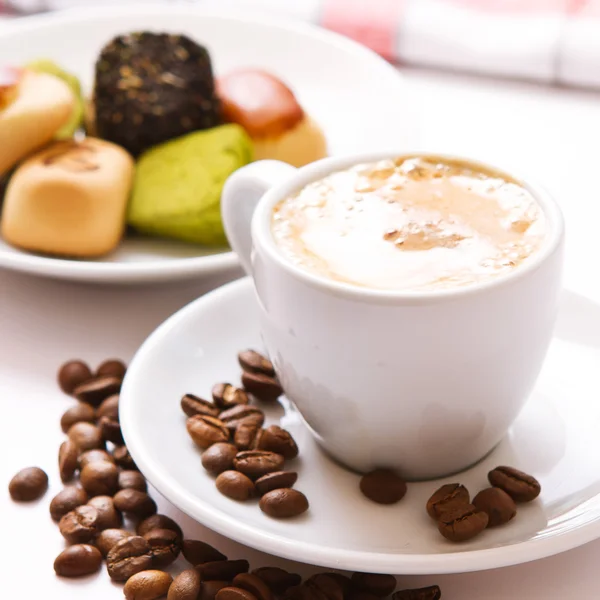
point(69, 199)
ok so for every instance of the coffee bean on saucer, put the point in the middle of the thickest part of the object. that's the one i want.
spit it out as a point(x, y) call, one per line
point(158, 522)
point(66, 500)
point(80, 412)
point(123, 458)
point(112, 368)
point(232, 418)
point(462, 523)
point(256, 463)
point(235, 485)
point(383, 486)
point(72, 374)
point(275, 480)
point(278, 580)
point(132, 479)
point(497, 504)
point(165, 546)
point(226, 395)
point(186, 586)
point(96, 455)
point(210, 589)
point(343, 581)
point(108, 538)
point(252, 361)
point(234, 593)
point(78, 560)
point(520, 486)
point(98, 389)
point(100, 478)
point(109, 408)
point(80, 525)
point(86, 436)
point(254, 584)
point(276, 439)
point(245, 436)
point(379, 585)
point(68, 460)
point(324, 586)
point(108, 516)
point(448, 497)
point(193, 405)
point(261, 386)
point(135, 503)
point(219, 457)
point(432, 592)
point(147, 585)
point(206, 431)
point(197, 552)
point(222, 570)
point(128, 557)
point(28, 484)
point(283, 503)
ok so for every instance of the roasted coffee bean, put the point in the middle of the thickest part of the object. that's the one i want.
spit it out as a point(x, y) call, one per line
point(256, 463)
point(90, 456)
point(73, 374)
point(123, 458)
point(253, 584)
point(28, 484)
point(226, 395)
point(66, 500)
point(128, 557)
point(342, 580)
point(276, 439)
point(193, 405)
point(108, 516)
point(109, 408)
point(165, 545)
point(283, 503)
point(186, 586)
point(222, 570)
point(147, 585)
point(379, 585)
point(252, 361)
point(324, 586)
point(206, 431)
point(275, 481)
point(448, 497)
point(110, 430)
point(108, 538)
point(261, 386)
point(358, 595)
point(520, 486)
point(158, 522)
point(86, 436)
point(496, 504)
point(383, 486)
point(245, 436)
point(81, 412)
point(234, 593)
point(278, 580)
point(432, 592)
point(78, 560)
point(80, 525)
point(96, 390)
point(462, 523)
point(235, 485)
point(232, 418)
point(219, 457)
point(210, 589)
point(68, 460)
point(135, 503)
point(197, 552)
point(100, 478)
point(132, 479)
point(112, 368)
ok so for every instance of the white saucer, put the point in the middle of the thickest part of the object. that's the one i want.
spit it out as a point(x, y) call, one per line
point(555, 438)
point(336, 80)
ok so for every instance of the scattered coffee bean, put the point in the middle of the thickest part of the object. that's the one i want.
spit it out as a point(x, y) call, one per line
point(76, 414)
point(432, 592)
point(448, 497)
point(197, 552)
point(128, 557)
point(278, 580)
point(147, 585)
point(235, 485)
point(68, 460)
point(28, 484)
point(80, 525)
point(165, 546)
point(108, 516)
point(383, 486)
point(252, 361)
point(219, 457)
point(275, 481)
point(210, 589)
point(158, 522)
point(78, 560)
point(496, 504)
point(66, 500)
point(132, 479)
point(108, 538)
point(73, 374)
point(109, 408)
point(261, 386)
point(462, 523)
point(96, 390)
point(100, 478)
point(222, 570)
point(112, 368)
point(520, 486)
point(232, 418)
point(245, 436)
point(227, 396)
point(379, 585)
point(256, 463)
point(343, 581)
point(135, 503)
point(284, 503)
point(206, 431)
point(322, 585)
point(86, 436)
point(123, 458)
point(253, 584)
point(110, 430)
point(90, 456)
point(234, 593)
point(276, 439)
point(186, 586)
point(193, 405)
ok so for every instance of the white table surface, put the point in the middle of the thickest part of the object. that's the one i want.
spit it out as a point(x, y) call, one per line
point(552, 134)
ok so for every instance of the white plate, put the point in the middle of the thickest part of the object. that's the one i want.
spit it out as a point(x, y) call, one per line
point(359, 99)
point(555, 438)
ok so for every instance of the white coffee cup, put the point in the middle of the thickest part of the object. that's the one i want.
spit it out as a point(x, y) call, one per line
point(423, 382)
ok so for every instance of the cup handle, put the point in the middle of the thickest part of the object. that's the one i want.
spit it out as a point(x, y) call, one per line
point(241, 194)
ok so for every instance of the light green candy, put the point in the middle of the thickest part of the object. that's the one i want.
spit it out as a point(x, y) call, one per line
point(177, 186)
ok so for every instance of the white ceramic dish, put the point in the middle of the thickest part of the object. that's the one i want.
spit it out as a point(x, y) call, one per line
point(555, 438)
point(360, 100)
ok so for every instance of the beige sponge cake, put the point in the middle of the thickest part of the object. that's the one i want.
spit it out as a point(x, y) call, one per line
point(69, 199)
